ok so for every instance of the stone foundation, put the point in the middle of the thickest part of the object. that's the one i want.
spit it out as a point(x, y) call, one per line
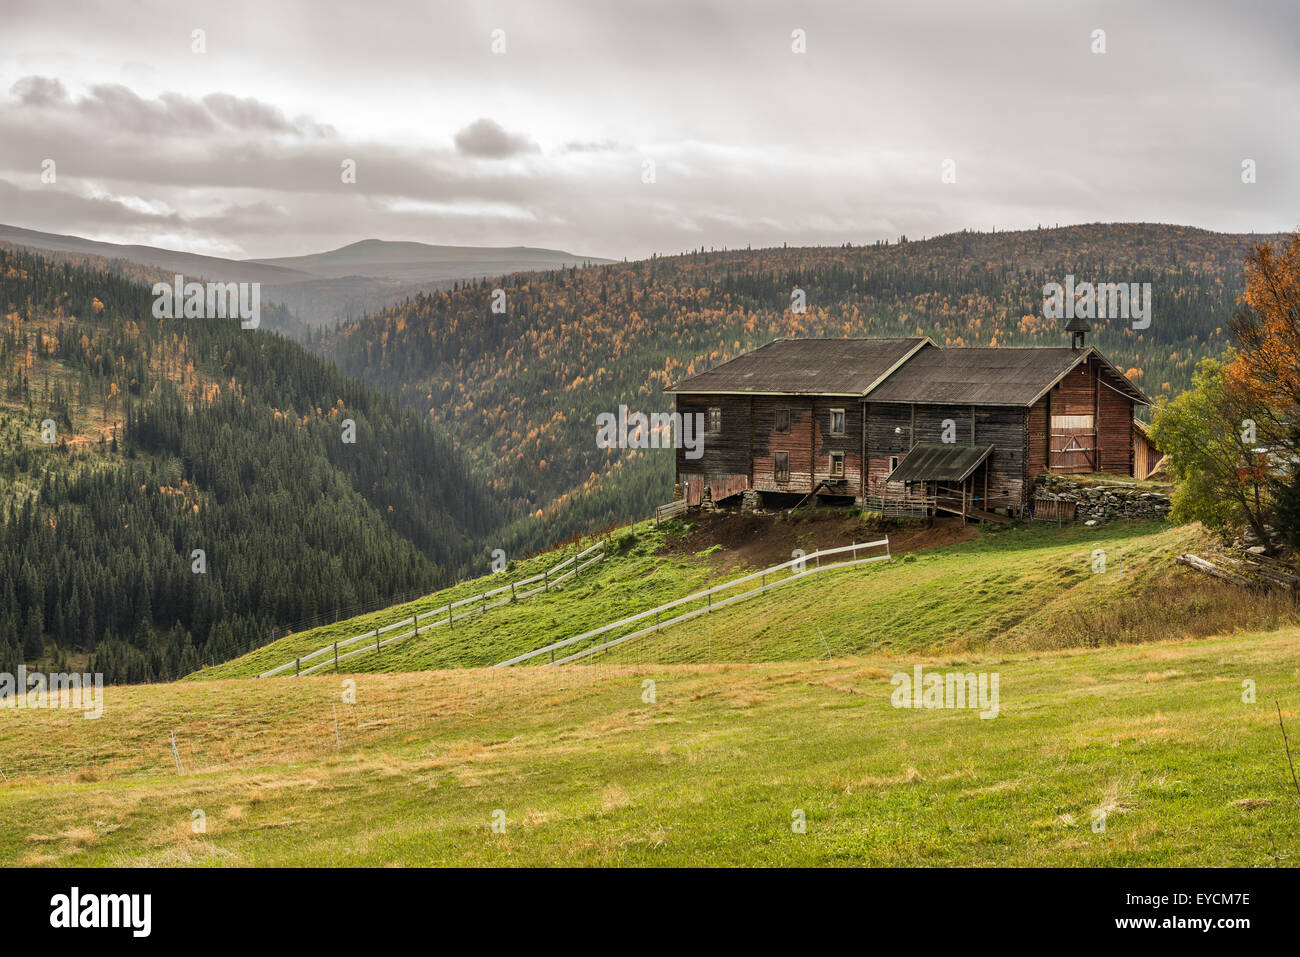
point(1103, 502)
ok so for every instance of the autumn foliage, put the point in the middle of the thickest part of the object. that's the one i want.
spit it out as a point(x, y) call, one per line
point(1267, 327)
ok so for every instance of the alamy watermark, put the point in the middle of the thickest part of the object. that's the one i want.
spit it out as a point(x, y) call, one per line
point(209, 300)
point(1102, 300)
point(131, 912)
point(35, 689)
point(658, 430)
point(952, 690)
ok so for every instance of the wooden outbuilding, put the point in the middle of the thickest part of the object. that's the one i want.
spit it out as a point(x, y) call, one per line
point(1147, 459)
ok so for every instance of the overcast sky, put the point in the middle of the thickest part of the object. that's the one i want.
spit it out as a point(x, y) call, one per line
point(237, 151)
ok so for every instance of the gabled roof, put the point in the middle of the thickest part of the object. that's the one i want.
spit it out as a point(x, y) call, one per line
point(1008, 376)
point(840, 367)
point(939, 462)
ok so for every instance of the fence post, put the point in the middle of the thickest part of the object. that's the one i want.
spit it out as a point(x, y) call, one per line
point(376, 641)
point(512, 591)
point(451, 619)
point(336, 656)
point(297, 667)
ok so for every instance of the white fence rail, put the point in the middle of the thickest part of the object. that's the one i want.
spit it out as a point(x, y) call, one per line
point(798, 569)
point(445, 615)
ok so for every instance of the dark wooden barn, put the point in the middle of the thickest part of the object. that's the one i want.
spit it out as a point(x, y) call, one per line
point(904, 425)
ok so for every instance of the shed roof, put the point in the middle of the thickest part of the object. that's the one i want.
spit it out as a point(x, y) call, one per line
point(1014, 376)
point(939, 462)
point(807, 367)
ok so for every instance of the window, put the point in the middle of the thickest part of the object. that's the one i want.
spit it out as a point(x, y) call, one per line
point(782, 421)
point(837, 464)
point(893, 462)
point(837, 421)
point(714, 423)
point(781, 467)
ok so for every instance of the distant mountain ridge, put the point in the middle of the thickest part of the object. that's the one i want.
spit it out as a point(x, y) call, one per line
point(322, 288)
point(400, 260)
point(189, 264)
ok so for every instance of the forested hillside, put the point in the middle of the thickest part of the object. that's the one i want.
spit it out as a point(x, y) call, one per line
point(177, 435)
point(275, 316)
point(521, 389)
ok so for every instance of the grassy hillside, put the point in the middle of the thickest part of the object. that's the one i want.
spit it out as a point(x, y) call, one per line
point(523, 387)
point(1024, 586)
point(585, 769)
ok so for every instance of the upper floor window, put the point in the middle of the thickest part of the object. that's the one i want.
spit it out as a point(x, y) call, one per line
point(714, 421)
point(837, 421)
point(783, 420)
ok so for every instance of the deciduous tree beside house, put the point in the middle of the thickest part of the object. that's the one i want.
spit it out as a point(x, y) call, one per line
point(1221, 481)
point(1234, 438)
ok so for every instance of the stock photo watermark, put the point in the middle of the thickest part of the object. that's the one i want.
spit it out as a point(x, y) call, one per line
point(74, 691)
point(658, 430)
point(920, 689)
point(209, 300)
point(1103, 300)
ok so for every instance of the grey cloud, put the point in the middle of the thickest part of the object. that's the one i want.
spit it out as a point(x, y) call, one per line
point(62, 211)
point(753, 144)
point(486, 139)
point(39, 91)
point(114, 107)
point(246, 113)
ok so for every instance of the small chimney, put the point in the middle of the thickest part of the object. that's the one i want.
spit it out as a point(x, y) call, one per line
point(1077, 328)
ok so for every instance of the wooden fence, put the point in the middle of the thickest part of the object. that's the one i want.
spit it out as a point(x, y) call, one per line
point(896, 504)
point(1054, 510)
point(446, 615)
point(670, 510)
point(798, 568)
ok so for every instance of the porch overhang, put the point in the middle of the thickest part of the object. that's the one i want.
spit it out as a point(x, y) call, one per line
point(940, 462)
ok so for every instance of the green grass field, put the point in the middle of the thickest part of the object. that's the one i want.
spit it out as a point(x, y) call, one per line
point(586, 771)
point(600, 594)
point(1120, 699)
point(1025, 586)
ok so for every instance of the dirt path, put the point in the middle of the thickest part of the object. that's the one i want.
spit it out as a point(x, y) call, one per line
point(758, 541)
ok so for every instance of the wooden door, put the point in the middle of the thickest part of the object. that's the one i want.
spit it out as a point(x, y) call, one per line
point(1074, 444)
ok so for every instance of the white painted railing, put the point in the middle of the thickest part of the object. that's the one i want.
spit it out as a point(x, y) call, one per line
point(445, 615)
point(798, 569)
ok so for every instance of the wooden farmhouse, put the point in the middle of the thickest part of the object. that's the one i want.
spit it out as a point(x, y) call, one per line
point(903, 425)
